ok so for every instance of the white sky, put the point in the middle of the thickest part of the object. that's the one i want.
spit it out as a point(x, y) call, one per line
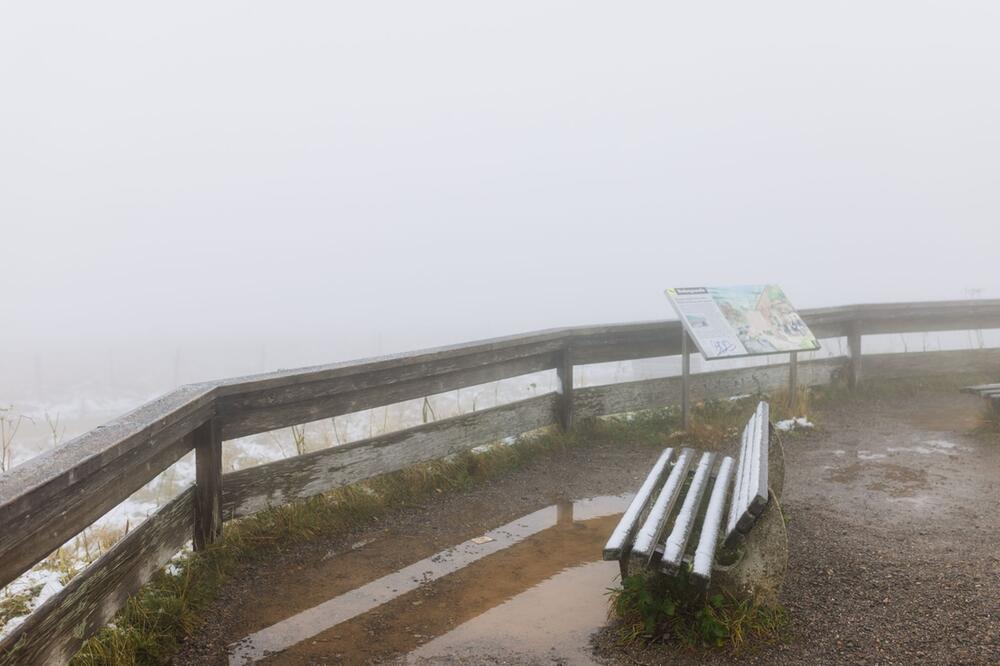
point(379, 176)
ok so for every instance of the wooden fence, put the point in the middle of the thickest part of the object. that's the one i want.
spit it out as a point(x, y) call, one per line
point(48, 500)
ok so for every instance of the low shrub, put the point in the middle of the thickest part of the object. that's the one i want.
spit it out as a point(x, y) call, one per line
point(653, 607)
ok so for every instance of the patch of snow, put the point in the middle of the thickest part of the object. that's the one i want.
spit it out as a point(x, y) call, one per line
point(797, 423)
point(259, 451)
point(923, 450)
point(734, 398)
point(868, 455)
point(929, 447)
point(944, 445)
point(50, 584)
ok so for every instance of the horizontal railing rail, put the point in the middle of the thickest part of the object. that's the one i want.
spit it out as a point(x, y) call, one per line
point(51, 498)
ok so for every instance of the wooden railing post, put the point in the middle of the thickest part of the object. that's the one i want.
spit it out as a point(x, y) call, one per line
point(564, 371)
point(854, 345)
point(208, 484)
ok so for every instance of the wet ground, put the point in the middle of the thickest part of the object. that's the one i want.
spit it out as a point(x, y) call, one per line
point(894, 523)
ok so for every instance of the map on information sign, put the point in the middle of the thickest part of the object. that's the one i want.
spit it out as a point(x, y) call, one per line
point(727, 322)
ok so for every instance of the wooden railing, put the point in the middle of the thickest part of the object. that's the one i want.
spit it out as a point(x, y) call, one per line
point(48, 500)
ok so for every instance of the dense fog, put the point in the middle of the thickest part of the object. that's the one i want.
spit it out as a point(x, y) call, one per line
point(196, 190)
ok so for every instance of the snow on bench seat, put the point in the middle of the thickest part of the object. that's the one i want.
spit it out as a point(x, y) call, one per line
point(651, 534)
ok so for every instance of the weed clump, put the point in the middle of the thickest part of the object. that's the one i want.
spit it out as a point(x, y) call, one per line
point(16, 604)
point(656, 608)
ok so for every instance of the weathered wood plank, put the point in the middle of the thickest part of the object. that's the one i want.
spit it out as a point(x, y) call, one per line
point(828, 322)
point(163, 420)
point(704, 554)
point(661, 339)
point(439, 359)
point(624, 533)
point(623, 342)
point(240, 418)
point(738, 504)
point(928, 316)
point(931, 363)
point(753, 490)
point(758, 480)
point(653, 393)
point(250, 490)
point(676, 543)
point(55, 631)
point(28, 537)
point(981, 388)
point(208, 485)
point(652, 528)
point(452, 372)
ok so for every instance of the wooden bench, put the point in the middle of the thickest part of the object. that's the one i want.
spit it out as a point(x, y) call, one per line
point(692, 504)
point(989, 392)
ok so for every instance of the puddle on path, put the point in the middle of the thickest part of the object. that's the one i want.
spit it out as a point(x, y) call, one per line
point(551, 621)
point(466, 598)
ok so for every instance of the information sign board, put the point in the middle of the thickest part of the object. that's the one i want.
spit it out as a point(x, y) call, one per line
point(729, 322)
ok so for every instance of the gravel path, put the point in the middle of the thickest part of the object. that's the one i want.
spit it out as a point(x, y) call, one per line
point(893, 537)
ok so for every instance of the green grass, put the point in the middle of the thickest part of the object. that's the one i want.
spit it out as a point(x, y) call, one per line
point(674, 609)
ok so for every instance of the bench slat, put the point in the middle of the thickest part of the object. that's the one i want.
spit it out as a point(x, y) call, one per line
point(740, 483)
point(629, 524)
point(704, 554)
point(756, 497)
point(980, 388)
point(652, 528)
point(676, 543)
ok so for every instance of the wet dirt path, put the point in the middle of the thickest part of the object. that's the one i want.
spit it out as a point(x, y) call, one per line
point(556, 556)
point(894, 557)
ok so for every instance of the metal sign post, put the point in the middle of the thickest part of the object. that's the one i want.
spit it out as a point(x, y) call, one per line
point(793, 378)
point(685, 381)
